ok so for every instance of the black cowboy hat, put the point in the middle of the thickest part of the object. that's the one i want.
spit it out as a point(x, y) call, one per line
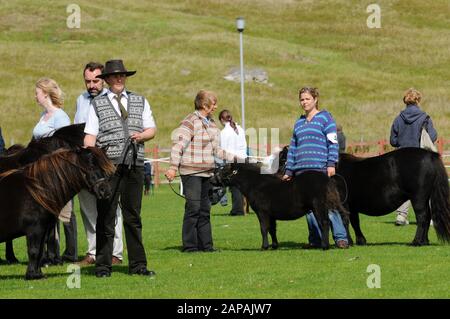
point(114, 67)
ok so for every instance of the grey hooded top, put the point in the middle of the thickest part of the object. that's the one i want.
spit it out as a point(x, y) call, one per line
point(406, 129)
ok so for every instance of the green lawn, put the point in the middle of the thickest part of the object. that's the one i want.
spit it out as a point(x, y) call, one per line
point(241, 270)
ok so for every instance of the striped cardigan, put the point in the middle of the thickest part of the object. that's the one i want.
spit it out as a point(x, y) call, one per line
point(196, 145)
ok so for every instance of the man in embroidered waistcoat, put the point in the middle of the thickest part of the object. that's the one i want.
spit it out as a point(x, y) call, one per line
point(122, 121)
point(88, 202)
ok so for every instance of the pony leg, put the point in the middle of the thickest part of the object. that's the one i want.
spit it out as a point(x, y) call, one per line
point(321, 214)
point(423, 217)
point(50, 255)
point(346, 222)
point(354, 220)
point(325, 226)
point(264, 226)
point(35, 245)
point(9, 255)
point(273, 232)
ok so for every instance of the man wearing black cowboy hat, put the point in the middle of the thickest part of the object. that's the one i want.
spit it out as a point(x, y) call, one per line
point(122, 121)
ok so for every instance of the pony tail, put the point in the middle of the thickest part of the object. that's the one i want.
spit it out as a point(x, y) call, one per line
point(334, 200)
point(440, 203)
point(225, 115)
point(233, 124)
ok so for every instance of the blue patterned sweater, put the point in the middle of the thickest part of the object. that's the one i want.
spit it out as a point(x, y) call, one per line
point(314, 144)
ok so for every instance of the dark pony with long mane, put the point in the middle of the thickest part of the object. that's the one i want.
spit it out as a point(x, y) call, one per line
point(377, 186)
point(32, 197)
point(68, 137)
point(273, 199)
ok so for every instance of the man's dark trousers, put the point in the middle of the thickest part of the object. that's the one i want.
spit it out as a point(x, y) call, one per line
point(130, 193)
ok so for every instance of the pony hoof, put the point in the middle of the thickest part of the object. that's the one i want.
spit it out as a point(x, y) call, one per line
point(274, 246)
point(12, 261)
point(361, 242)
point(419, 244)
point(33, 276)
point(265, 248)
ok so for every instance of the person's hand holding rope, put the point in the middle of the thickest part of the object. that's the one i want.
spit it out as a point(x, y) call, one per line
point(170, 174)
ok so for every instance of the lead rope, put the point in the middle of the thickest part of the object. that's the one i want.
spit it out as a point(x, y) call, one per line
point(178, 194)
point(129, 144)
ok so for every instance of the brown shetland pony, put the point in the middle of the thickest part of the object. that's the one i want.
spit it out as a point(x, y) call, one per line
point(32, 197)
point(68, 137)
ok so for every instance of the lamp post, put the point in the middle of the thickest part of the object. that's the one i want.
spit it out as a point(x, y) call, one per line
point(240, 25)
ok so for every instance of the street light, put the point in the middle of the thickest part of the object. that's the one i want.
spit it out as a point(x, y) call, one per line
point(240, 25)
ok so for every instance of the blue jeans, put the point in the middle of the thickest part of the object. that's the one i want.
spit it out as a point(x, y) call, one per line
point(337, 228)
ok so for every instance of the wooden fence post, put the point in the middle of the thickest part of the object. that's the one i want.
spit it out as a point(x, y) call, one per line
point(156, 165)
point(440, 145)
point(381, 144)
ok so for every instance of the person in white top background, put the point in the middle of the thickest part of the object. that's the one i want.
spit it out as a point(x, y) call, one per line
point(88, 202)
point(232, 140)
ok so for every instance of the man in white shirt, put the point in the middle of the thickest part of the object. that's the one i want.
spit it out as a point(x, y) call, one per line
point(122, 121)
point(88, 202)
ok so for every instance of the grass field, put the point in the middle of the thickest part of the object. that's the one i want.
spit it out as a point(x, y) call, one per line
point(241, 270)
point(179, 47)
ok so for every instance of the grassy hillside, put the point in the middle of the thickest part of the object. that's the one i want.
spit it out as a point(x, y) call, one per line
point(179, 47)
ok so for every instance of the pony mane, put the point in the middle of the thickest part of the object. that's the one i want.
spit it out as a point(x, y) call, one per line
point(8, 172)
point(351, 158)
point(12, 150)
point(253, 168)
point(53, 178)
point(103, 161)
point(71, 134)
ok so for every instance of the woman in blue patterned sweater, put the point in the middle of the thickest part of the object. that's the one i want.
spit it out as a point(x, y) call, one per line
point(314, 146)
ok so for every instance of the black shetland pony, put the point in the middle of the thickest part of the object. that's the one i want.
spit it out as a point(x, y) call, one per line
point(379, 185)
point(68, 137)
point(273, 199)
point(32, 197)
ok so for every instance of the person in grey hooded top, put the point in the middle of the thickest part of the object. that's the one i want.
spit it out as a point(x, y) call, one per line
point(407, 126)
point(406, 131)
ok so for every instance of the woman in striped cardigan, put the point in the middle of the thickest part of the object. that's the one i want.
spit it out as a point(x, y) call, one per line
point(195, 147)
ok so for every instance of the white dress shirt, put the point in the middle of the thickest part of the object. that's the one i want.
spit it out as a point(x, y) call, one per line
point(83, 105)
point(92, 119)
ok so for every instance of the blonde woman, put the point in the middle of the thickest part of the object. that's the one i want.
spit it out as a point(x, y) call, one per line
point(51, 98)
point(405, 132)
